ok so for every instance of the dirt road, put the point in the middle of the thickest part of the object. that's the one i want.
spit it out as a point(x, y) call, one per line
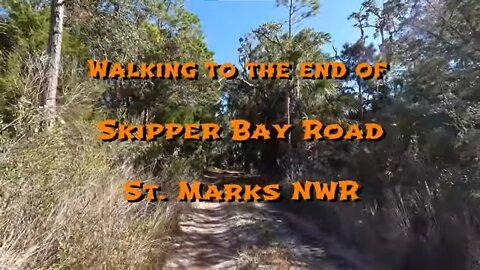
point(244, 236)
point(251, 235)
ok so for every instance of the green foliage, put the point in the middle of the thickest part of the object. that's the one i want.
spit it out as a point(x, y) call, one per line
point(276, 101)
point(420, 196)
point(136, 31)
point(421, 183)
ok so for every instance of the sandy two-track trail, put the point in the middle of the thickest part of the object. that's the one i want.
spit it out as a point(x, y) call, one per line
point(249, 235)
point(225, 236)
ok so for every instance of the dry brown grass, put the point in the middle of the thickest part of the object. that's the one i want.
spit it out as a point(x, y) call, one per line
point(61, 195)
point(274, 256)
point(61, 205)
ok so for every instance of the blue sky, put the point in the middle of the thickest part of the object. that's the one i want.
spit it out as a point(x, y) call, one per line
point(225, 21)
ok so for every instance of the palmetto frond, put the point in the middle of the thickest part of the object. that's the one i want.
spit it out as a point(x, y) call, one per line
point(7, 39)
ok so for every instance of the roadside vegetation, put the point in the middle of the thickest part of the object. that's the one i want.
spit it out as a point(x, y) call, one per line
point(61, 203)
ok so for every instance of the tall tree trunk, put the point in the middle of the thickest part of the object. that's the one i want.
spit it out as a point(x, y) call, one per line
point(53, 62)
point(288, 111)
point(360, 97)
point(290, 18)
